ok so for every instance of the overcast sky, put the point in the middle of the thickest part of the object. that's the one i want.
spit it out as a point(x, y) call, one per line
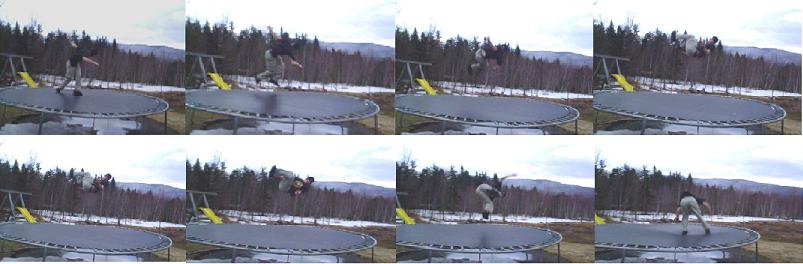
point(550, 25)
point(144, 159)
point(764, 24)
point(773, 160)
point(359, 21)
point(344, 159)
point(150, 22)
point(565, 159)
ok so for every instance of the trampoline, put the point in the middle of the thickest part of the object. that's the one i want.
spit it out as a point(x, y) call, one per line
point(698, 110)
point(283, 107)
point(87, 239)
point(495, 112)
point(668, 238)
point(476, 238)
point(93, 104)
point(280, 239)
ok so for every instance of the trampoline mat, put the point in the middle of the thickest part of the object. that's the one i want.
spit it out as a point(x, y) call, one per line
point(280, 239)
point(475, 237)
point(689, 109)
point(94, 103)
point(85, 238)
point(487, 111)
point(667, 237)
point(295, 107)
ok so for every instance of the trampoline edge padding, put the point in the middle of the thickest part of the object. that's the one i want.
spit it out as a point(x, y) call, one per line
point(95, 103)
point(702, 110)
point(282, 107)
point(487, 111)
point(88, 239)
point(280, 239)
point(668, 238)
point(476, 238)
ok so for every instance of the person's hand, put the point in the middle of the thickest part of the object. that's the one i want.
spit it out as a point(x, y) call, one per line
point(677, 219)
point(96, 64)
point(298, 65)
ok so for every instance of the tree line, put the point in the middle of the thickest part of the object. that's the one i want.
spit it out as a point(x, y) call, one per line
point(244, 55)
point(450, 59)
point(651, 55)
point(52, 49)
point(60, 191)
point(252, 190)
point(650, 190)
point(451, 189)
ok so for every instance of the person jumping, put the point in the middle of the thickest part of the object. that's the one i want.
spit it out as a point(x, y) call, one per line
point(290, 183)
point(78, 55)
point(483, 56)
point(691, 204)
point(692, 48)
point(274, 64)
point(488, 192)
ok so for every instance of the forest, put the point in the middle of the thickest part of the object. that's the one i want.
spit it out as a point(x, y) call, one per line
point(250, 190)
point(244, 55)
point(50, 51)
point(627, 188)
point(652, 56)
point(450, 59)
point(452, 190)
point(60, 190)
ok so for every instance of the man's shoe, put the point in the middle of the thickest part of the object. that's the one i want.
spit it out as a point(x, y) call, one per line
point(274, 82)
point(707, 231)
point(685, 233)
point(58, 90)
point(77, 93)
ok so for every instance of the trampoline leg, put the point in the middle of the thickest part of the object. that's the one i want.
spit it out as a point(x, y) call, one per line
point(497, 131)
point(756, 251)
point(168, 254)
point(376, 125)
point(575, 127)
point(342, 130)
point(93, 257)
point(372, 254)
point(4, 114)
point(293, 132)
point(643, 125)
point(192, 114)
point(558, 252)
point(781, 126)
point(165, 128)
point(429, 258)
point(41, 122)
point(596, 115)
point(236, 125)
point(624, 254)
point(480, 256)
point(44, 253)
point(443, 127)
point(698, 130)
point(233, 255)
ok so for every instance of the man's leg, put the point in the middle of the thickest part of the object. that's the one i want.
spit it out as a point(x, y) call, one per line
point(68, 77)
point(698, 213)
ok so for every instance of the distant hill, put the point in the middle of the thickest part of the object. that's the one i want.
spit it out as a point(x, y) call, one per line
point(367, 49)
point(770, 54)
point(157, 189)
point(550, 186)
point(163, 52)
point(357, 187)
point(565, 57)
point(746, 185)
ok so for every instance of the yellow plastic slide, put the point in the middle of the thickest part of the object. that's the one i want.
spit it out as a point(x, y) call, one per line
point(403, 215)
point(27, 215)
point(424, 84)
point(623, 82)
point(219, 81)
point(28, 80)
point(211, 215)
point(598, 220)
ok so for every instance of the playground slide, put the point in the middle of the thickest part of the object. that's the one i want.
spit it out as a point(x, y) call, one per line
point(403, 215)
point(598, 220)
point(28, 80)
point(623, 82)
point(219, 81)
point(424, 84)
point(27, 215)
point(211, 215)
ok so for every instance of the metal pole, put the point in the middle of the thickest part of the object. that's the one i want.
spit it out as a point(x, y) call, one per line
point(596, 116)
point(430, 256)
point(236, 124)
point(233, 255)
point(575, 127)
point(624, 254)
point(756, 251)
point(401, 122)
point(643, 125)
point(781, 126)
point(443, 127)
point(372, 254)
point(165, 130)
point(341, 130)
point(558, 252)
point(168, 254)
point(44, 253)
point(497, 130)
point(41, 122)
point(293, 132)
point(376, 124)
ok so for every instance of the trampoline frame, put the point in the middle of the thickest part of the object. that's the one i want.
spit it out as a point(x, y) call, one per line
point(493, 124)
point(47, 110)
point(286, 120)
point(695, 123)
point(45, 246)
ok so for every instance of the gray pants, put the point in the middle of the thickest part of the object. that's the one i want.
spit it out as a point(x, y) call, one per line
point(285, 179)
point(689, 205)
point(488, 204)
point(73, 73)
point(480, 63)
point(274, 67)
point(689, 44)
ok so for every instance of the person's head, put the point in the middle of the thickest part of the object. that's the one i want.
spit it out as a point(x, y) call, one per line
point(713, 40)
point(309, 180)
point(286, 36)
point(107, 176)
point(685, 193)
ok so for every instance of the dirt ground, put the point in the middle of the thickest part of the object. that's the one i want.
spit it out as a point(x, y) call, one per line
point(578, 241)
point(780, 241)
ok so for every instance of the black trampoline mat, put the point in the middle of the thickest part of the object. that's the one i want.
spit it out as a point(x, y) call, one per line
point(84, 238)
point(637, 236)
point(461, 237)
point(487, 109)
point(279, 237)
point(688, 107)
point(93, 103)
point(282, 105)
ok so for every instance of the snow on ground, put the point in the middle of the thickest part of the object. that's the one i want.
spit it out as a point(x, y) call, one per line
point(468, 89)
point(645, 217)
point(52, 81)
point(67, 218)
point(249, 218)
point(248, 83)
point(664, 85)
point(459, 217)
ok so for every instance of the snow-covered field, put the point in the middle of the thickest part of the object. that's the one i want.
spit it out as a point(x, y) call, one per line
point(248, 218)
point(645, 217)
point(248, 83)
point(658, 84)
point(52, 81)
point(66, 218)
point(440, 217)
point(460, 88)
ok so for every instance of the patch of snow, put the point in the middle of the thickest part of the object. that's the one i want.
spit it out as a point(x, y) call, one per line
point(248, 83)
point(646, 217)
point(440, 217)
point(470, 90)
point(249, 218)
point(667, 85)
point(67, 218)
point(53, 81)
